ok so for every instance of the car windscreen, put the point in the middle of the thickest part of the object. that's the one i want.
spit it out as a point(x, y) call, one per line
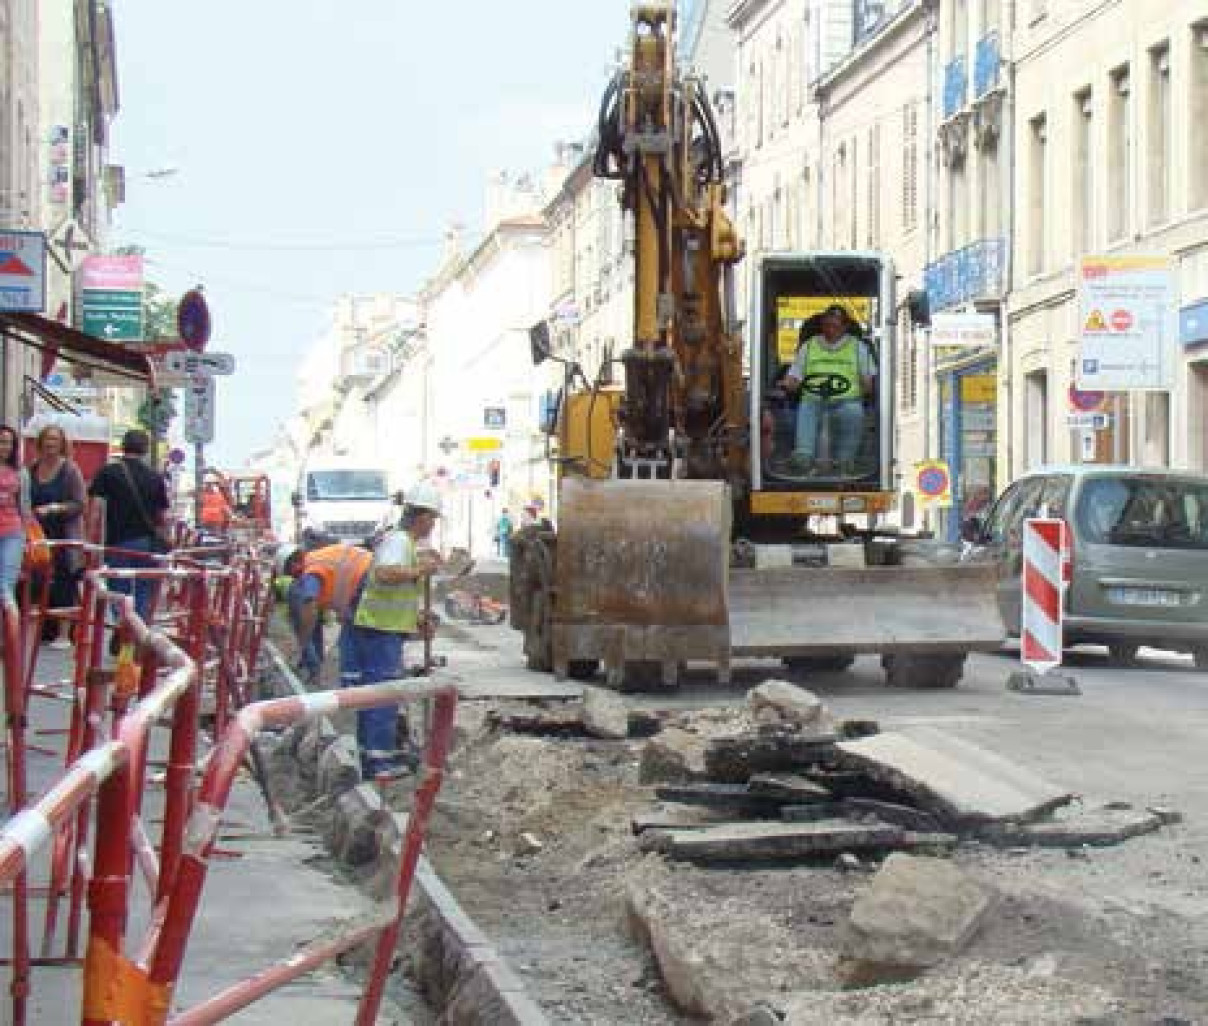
point(1151, 512)
point(346, 484)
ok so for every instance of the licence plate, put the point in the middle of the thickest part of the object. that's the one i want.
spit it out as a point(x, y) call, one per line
point(1144, 597)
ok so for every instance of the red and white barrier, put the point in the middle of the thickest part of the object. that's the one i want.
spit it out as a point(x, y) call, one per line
point(1045, 559)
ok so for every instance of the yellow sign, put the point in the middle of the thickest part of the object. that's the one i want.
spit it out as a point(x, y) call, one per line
point(1096, 321)
point(979, 388)
point(794, 311)
point(483, 444)
point(933, 482)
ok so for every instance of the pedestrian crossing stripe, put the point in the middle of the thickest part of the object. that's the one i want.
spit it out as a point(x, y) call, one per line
point(1096, 321)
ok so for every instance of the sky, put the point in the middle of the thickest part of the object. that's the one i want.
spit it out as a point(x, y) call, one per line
point(323, 148)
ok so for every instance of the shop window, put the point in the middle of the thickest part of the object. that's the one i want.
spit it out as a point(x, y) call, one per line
point(1119, 154)
point(1159, 149)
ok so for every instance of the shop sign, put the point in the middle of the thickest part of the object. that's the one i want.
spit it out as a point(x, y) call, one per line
point(964, 330)
point(1128, 316)
point(979, 388)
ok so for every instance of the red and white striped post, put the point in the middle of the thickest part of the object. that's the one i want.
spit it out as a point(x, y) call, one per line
point(1045, 576)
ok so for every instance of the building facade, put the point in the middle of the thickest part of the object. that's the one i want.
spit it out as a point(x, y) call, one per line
point(1111, 159)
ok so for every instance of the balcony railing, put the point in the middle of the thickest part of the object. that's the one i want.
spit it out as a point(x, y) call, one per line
point(975, 272)
point(956, 86)
point(987, 65)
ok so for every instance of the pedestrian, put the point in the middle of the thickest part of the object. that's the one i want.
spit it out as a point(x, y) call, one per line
point(387, 612)
point(14, 512)
point(136, 508)
point(57, 493)
point(503, 535)
point(326, 580)
point(833, 371)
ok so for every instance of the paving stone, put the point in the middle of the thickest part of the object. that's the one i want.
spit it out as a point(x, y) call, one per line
point(740, 842)
point(791, 704)
point(916, 913)
point(605, 714)
point(673, 755)
point(734, 797)
point(952, 778)
point(1094, 827)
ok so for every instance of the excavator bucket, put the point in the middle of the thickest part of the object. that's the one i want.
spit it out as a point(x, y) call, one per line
point(803, 611)
point(641, 574)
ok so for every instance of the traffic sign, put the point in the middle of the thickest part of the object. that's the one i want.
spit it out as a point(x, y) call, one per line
point(22, 271)
point(1088, 421)
point(116, 315)
point(210, 364)
point(1085, 401)
point(193, 320)
point(199, 409)
point(934, 482)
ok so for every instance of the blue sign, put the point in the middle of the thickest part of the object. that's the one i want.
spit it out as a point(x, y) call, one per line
point(193, 320)
point(1193, 324)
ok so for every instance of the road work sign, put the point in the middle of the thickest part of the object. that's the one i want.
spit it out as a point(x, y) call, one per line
point(1129, 319)
point(22, 272)
point(199, 409)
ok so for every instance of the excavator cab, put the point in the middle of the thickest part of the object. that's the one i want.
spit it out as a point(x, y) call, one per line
point(821, 378)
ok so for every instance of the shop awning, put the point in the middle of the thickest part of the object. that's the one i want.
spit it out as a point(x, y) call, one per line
point(76, 347)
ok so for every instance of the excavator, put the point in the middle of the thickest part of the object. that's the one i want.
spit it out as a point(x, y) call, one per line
point(694, 524)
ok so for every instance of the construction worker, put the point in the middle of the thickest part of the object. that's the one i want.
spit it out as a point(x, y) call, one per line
point(324, 580)
point(388, 611)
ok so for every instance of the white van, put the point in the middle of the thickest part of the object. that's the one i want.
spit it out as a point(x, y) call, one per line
point(342, 502)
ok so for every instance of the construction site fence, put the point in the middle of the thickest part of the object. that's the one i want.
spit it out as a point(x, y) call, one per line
point(190, 672)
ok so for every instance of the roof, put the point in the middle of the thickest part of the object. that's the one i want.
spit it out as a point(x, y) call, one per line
point(1083, 469)
point(75, 346)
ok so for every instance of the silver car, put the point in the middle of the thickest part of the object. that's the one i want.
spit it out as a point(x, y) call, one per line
point(1140, 554)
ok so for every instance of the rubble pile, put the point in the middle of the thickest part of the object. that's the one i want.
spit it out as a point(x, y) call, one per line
point(798, 785)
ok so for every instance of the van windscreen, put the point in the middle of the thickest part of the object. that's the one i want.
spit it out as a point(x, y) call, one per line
point(337, 485)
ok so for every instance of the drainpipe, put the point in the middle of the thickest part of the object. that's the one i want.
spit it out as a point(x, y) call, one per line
point(1006, 369)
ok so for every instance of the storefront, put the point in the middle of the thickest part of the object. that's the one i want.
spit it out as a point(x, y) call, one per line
point(968, 437)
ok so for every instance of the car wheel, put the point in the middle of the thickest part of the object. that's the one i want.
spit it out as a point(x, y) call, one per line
point(1123, 653)
point(1200, 654)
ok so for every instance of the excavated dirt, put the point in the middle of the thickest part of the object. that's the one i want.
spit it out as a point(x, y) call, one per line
point(532, 835)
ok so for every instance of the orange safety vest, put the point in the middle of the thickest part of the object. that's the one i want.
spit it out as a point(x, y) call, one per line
point(340, 570)
point(215, 511)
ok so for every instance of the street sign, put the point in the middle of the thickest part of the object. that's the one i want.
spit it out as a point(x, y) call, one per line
point(193, 320)
point(934, 482)
point(189, 364)
point(494, 418)
point(199, 410)
point(22, 271)
point(113, 315)
point(1085, 402)
point(483, 444)
point(1088, 421)
point(1129, 318)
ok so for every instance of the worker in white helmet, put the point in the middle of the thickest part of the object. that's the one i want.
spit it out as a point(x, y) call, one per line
point(386, 614)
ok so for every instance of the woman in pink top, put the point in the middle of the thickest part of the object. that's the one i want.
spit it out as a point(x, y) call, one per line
point(14, 511)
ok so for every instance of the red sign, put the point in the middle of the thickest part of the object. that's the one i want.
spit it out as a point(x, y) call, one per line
point(1086, 402)
point(113, 273)
point(1122, 321)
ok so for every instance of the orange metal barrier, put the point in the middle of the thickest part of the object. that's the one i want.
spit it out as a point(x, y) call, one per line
point(214, 608)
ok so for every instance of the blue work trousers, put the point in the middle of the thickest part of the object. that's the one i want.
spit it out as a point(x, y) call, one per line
point(845, 421)
point(370, 657)
point(311, 655)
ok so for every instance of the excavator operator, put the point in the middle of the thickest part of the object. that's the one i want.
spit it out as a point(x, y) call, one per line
point(834, 373)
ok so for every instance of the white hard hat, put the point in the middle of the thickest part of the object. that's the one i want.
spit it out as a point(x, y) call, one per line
point(284, 555)
point(423, 496)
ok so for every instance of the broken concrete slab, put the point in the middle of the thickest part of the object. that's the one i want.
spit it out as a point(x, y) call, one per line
point(735, 759)
point(745, 842)
point(790, 703)
point(675, 818)
point(353, 833)
point(789, 787)
point(1095, 827)
point(905, 816)
point(733, 797)
point(916, 913)
point(605, 714)
point(958, 781)
point(811, 813)
point(673, 755)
